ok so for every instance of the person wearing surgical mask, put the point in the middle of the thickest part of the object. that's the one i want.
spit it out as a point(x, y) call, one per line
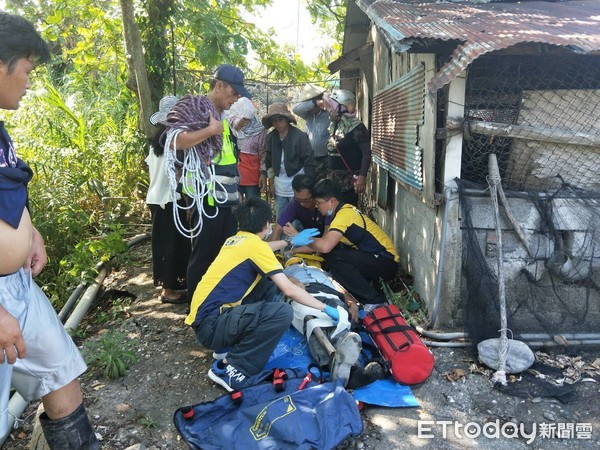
point(230, 312)
point(356, 250)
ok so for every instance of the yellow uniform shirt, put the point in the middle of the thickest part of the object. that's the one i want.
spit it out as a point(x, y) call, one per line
point(243, 260)
point(362, 233)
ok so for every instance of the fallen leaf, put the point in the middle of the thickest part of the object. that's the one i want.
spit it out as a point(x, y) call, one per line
point(455, 375)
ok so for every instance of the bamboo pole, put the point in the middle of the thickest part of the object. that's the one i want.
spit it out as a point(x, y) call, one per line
point(526, 132)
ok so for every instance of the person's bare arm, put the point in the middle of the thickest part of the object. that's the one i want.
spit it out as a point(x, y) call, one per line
point(277, 245)
point(349, 299)
point(276, 232)
point(352, 305)
point(327, 242)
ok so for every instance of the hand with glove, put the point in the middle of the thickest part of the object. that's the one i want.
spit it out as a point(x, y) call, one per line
point(332, 312)
point(304, 237)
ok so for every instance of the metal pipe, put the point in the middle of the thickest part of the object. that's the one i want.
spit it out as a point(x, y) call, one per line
point(440, 336)
point(66, 309)
point(446, 344)
point(86, 301)
point(556, 344)
point(75, 295)
point(440, 271)
point(574, 336)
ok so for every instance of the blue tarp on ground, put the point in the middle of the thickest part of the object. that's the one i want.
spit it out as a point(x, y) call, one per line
point(292, 353)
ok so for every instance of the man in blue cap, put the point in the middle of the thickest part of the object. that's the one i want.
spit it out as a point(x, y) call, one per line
point(234, 77)
point(215, 216)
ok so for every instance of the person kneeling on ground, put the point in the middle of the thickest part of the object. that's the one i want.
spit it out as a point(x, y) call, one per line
point(343, 363)
point(356, 250)
point(250, 330)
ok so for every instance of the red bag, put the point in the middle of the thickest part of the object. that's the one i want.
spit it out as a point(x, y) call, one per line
point(411, 362)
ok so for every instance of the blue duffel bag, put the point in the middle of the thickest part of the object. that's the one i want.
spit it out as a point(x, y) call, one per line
point(319, 416)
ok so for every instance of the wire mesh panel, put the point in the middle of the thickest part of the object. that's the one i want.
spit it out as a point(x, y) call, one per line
point(540, 115)
point(554, 291)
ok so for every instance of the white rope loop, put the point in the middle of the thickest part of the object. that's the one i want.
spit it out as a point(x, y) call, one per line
point(197, 181)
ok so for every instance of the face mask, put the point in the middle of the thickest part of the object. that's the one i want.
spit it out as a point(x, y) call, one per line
point(269, 233)
point(329, 213)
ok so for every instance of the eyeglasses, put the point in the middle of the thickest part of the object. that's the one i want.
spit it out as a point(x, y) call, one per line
point(303, 201)
point(318, 203)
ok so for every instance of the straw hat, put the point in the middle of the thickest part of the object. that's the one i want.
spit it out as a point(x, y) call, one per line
point(277, 109)
point(164, 106)
point(309, 92)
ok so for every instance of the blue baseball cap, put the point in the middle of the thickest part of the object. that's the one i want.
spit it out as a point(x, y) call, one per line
point(233, 76)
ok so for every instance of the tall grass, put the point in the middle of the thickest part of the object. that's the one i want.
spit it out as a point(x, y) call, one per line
point(85, 150)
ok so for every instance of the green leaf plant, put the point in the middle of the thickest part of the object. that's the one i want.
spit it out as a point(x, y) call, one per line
point(108, 356)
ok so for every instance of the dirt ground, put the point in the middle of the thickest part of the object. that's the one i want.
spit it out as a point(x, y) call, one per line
point(136, 410)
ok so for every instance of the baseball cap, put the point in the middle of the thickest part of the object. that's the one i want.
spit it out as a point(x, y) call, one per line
point(233, 76)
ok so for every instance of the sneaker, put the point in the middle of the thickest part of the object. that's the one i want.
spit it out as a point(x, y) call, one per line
point(229, 377)
point(345, 356)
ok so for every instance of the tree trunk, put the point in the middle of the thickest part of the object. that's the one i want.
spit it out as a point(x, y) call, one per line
point(136, 63)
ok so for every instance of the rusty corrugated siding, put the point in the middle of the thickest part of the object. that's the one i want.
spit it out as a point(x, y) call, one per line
point(482, 28)
point(398, 111)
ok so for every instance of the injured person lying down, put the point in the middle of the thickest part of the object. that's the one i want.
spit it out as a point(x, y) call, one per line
point(332, 344)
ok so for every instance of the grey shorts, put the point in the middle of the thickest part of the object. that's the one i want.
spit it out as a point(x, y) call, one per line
point(52, 360)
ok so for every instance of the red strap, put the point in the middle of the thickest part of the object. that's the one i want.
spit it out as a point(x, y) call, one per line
point(398, 327)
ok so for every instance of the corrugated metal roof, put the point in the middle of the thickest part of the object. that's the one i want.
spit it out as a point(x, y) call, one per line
point(483, 28)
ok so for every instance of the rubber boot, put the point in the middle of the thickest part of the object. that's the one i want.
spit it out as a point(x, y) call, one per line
point(73, 432)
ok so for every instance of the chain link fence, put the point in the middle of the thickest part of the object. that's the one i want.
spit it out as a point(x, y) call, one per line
point(540, 115)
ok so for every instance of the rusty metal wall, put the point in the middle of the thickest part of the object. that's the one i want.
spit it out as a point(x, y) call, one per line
point(398, 112)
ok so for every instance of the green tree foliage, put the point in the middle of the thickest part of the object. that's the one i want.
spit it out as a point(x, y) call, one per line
point(329, 11)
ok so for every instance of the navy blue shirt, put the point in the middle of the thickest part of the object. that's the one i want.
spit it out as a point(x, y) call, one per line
point(308, 217)
point(14, 176)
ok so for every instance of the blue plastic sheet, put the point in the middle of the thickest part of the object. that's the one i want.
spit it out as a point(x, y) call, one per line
point(388, 393)
point(292, 352)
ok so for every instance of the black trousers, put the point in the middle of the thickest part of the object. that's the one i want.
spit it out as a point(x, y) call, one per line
point(206, 246)
point(252, 331)
point(170, 249)
point(355, 269)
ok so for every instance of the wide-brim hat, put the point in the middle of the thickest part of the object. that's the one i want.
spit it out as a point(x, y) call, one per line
point(277, 109)
point(164, 106)
point(310, 91)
